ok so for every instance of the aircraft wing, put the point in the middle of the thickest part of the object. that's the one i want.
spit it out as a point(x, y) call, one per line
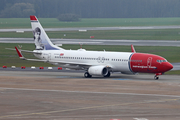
point(77, 65)
point(52, 61)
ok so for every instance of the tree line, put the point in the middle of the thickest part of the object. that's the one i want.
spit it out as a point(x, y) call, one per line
point(90, 8)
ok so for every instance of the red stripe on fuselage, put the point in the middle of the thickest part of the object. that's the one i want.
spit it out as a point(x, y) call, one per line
point(147, 63)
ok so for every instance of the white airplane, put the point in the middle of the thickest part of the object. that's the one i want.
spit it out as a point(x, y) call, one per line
point(98, 63)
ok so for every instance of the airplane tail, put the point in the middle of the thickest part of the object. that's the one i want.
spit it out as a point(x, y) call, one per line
point(42, 41)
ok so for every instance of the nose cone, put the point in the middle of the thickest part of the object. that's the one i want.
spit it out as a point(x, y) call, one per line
point(168, 66)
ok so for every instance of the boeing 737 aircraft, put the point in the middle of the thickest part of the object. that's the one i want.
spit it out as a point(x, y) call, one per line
point(101, 63)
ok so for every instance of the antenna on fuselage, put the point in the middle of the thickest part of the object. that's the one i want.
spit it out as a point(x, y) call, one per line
point(80, 45)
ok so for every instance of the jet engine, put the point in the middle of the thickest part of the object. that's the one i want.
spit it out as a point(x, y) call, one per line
point(98, 70)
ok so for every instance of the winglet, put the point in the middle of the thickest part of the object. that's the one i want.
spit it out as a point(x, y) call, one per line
point(33, 18)
point(19, 53)
point(132, 49)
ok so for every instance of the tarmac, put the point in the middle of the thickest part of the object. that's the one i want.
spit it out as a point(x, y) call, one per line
point(36, 95)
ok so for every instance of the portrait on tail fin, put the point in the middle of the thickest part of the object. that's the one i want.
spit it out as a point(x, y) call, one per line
point(37, 39)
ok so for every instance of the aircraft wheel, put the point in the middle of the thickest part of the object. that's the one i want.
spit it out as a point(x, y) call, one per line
point(108, 75)
point(87, 75)
point(156, 77)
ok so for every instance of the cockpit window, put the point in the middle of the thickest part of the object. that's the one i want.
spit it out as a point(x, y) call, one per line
point(160, 61)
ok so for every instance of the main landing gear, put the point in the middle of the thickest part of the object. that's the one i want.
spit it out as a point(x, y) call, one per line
point(87, 75)
point(108, 75)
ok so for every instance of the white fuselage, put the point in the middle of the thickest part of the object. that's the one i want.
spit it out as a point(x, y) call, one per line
point(119, 61)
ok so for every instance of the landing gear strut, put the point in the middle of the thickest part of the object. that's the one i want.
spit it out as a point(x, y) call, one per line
point(156, 77)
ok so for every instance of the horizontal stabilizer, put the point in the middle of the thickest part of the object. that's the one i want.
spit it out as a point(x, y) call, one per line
point(36, 52)
point(22, 57)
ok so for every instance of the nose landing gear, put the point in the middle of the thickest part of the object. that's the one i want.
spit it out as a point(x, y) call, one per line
point(156, 77)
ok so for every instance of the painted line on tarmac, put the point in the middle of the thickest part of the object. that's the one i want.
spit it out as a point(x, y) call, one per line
point(86, 108)
point(120, 79)
point(89, 92)
point(67, 77)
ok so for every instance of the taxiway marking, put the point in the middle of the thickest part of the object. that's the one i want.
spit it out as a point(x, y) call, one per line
point(89, 92)
point(86, 108)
